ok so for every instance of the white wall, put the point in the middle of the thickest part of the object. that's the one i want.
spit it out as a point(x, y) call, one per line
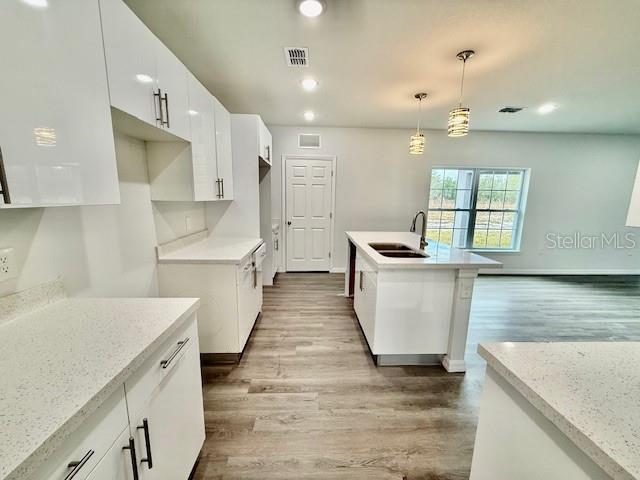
point(578, 183)
point(97, 250)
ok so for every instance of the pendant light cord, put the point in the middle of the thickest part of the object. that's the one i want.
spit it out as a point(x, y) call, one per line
point(464, 64)
point(419, 114)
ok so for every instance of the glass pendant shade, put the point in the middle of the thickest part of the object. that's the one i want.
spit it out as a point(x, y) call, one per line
point(458, 122)
point(416, 144)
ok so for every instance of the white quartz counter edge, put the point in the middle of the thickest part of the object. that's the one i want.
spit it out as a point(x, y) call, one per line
point(440, 257)
point(211, 253)
point(580, 439)
point(23, 467)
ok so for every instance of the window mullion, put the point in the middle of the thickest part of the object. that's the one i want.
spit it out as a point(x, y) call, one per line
point(472, 210)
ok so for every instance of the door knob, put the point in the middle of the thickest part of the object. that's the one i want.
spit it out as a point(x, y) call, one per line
point(289, 223)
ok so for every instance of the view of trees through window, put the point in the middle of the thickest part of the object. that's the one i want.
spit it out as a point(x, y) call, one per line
point(475, 208)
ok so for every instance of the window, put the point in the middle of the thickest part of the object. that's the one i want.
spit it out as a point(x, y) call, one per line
point(476, 208)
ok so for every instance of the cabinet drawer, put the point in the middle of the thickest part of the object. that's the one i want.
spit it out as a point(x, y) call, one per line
point(116, 464)
point(87, 445)
point(143, 382)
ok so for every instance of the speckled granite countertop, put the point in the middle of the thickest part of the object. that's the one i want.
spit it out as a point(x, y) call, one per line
point(589, 390)
point(60, 361)
point(439, 255)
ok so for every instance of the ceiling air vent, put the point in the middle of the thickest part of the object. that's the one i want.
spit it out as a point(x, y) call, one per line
point(308, 140)
point(296, 56)
point(510, 109)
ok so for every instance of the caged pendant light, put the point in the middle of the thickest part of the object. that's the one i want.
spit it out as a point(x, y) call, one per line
point(416, 143)
point(459, 117)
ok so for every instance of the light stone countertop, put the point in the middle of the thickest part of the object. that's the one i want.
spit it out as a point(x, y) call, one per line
point(440, 256)
point(60, 361)
point(213, 250)
point(589, 390)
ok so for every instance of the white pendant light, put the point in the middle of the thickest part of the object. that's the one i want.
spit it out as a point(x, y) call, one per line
point(459, 117)
point(416, 142)
point(633, 216)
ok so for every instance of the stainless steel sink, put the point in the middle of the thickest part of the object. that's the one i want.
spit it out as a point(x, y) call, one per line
point(389, 246)
point(397, 250)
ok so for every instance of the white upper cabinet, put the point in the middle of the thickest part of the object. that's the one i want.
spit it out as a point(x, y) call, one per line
point(173, 90)
point(56, 135)
point(203, 142)
point(131, 63)
point(146, 80)
point(223, 150)
point(265, 147)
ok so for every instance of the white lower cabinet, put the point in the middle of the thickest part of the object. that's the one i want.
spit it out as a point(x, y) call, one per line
point(230, 299)
point(364, 299)
point(152, 427)
point(165, 409)
point(118, 462)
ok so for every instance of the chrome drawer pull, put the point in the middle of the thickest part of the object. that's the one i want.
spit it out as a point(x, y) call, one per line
point(147, 441)
point(181, 344)
point(77, 466)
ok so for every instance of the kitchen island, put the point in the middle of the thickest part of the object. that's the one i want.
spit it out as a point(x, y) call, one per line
point(413, 305)
point(559, 411)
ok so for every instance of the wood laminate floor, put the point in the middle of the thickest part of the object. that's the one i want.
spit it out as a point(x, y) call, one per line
point(307, 402)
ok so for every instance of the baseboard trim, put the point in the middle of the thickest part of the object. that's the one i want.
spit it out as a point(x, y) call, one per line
point(551, 271)
point(337, 270)
point(219, 358)
point(454, 366)
point(398, 360)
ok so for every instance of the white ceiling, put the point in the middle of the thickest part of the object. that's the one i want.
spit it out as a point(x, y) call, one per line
point(371, 56)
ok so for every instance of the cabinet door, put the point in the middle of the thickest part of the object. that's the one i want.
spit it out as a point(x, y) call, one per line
point(175, 421)
point(172, 82)
point(246, 302)
point(223, 149)
point(56, 135)
point(117, 464)
point(131, 62)
point(203, 142)
point(265, 142)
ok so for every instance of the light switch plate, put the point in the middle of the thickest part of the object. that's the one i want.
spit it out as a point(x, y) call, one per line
point(7, 264)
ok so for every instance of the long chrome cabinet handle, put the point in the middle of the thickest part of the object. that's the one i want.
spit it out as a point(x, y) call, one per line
point(4, 185)
point(181, 344)
point(158, 96)
point(222, 187)
point(147, 441)
point(268, 153)
point(134, 461)
point(166, 108)
point(360, 280)
point(77, 466)
point(219, 187)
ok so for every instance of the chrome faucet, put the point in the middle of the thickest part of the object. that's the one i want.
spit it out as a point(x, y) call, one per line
point(423, 239)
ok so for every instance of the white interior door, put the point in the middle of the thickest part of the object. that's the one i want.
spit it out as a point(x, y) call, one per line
point(308, 214)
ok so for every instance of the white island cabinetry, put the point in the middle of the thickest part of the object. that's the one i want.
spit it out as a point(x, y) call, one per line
point(412, 310)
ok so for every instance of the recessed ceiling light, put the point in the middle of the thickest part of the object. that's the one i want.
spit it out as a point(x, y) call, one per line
point(309, 116)
point(144, 78)
point(309, 84)
point(547, 108)
point(37, 3)
point(311, 8)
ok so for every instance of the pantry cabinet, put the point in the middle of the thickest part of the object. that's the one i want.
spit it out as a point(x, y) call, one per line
point(223, 149)
point(56, 137)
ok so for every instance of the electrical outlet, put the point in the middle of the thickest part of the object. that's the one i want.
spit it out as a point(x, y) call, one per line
point(7, 264)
